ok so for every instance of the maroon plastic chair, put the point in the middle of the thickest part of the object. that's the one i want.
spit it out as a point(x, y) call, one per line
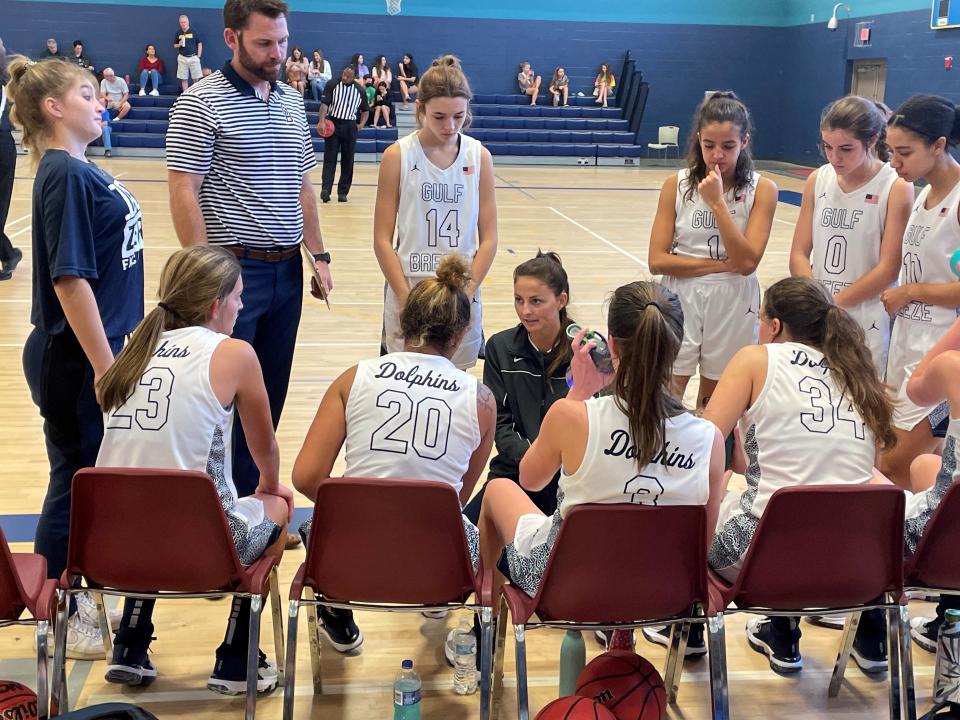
point(158, 533)
point(820, 550)
point(389, 545)
point(615, 567)
point(24, 587)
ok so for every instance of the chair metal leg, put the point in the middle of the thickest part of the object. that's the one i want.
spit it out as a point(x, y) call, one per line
point(486, 661)
point(717, 648)
point(893, 658)
point(523, 706)
point(59, 694)
point(253, 656)
point(906, 667)
point(843, 654)
point(43, 694)
point(277, 624)
point(314, 630)
point(289, 687)
point(105, 632)
point(679, 634)
point(498, 650)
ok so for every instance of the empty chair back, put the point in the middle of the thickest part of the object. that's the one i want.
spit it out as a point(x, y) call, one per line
point(824, 546)
point(668, 135)
point(623, 563)
point(388, 541)
point(150, 530)
point(12, 602)
point(935, 564)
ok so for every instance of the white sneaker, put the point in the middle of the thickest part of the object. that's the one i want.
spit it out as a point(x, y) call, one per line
point(435, 614)
point(155, 93)
point(84, 641)
point(87, 607)
point(142, 93)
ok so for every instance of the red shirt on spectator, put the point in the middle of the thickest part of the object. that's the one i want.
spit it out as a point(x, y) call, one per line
point(145, 64)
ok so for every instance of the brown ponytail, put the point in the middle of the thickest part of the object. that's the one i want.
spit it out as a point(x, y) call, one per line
point(646, 321)
point(192, 279)
point(807, 310)
point(437, 310)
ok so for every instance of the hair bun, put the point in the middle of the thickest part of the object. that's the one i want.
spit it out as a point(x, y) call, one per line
point(453, 272)
point(550, 255)
point(447, 61)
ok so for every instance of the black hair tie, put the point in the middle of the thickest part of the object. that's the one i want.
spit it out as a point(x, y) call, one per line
point(173, 312)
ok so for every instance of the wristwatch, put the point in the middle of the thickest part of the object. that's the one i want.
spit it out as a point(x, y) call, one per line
point(321, 257)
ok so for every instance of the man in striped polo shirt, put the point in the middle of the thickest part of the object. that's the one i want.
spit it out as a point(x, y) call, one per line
point(239, 154)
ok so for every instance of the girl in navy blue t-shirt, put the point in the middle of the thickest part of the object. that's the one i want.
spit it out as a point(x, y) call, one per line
point(87, 290)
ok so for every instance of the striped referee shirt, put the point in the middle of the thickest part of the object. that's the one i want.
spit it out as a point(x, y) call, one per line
point(252, 153)
point(344, 101)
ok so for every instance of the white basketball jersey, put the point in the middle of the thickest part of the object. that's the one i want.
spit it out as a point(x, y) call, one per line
point(930, 239)
point(173, 419)
point(801, 430)
point(848, 227)
point(411, 415)
point(678, 475)
point(696, 234)
point(439, 209)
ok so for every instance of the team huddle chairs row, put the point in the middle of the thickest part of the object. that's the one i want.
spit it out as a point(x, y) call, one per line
point(817, 550)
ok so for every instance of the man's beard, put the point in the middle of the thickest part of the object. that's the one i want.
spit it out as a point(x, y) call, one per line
point(267, 73)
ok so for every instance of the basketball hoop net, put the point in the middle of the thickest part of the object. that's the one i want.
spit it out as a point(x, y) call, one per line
point(393, 7)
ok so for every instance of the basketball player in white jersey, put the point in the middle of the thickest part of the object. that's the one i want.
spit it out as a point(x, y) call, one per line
point(407, 414)
point(711, 229)
point(937, 378)
point(168, 402)
point(637, 445)
point(921, 134)
point(436, 188)
point(811, 410)
point(852, 217)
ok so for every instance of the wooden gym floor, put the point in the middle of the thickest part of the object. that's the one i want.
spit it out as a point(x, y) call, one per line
point(599, 220)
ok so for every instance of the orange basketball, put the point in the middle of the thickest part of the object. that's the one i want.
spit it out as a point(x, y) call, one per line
point(575, 708)
point(17, 701)
point(326, 130)
point(626, 684)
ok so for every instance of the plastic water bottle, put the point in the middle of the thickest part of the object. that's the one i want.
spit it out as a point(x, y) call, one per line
point(600, 354)
point(946, 677)
point(406, 693)
point(465, 661)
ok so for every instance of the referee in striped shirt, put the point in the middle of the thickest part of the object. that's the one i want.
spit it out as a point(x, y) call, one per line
point(342, 100)
point(239, 154)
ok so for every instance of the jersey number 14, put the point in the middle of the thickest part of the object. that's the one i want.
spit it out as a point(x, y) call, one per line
point(447, 229)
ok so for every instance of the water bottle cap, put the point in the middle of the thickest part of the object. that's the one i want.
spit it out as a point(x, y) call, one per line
point(952, 616)
point(407, 664)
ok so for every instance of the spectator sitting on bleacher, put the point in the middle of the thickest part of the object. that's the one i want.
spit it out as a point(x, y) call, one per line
point(381, 72)
point(560, 85)
point(360, 70)
point(318, 74)
point(115, 93)
point(51, 50)
point(604, 83)
point(407, 77)
point(297, 68)
point(150, 68)
point(80, 57)
point(381, 105)
point(529, 83)
point(370, 91)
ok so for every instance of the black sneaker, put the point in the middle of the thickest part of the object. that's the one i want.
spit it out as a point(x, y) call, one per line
point(130, 666)
point(339, 628)
point(782, 648)
point(870, 643)
point(229, 676)
point(325, 195)
point(10, 265)
point(341, 198)
point(925, 632)
point(696, 647)
point(304, 531)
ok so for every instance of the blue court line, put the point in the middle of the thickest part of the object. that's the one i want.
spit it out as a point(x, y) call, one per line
point(790, 197)
point(23, 528)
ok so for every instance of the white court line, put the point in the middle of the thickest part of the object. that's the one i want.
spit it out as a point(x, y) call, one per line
point(21, 231)
point(19, 219)
point(602, 239)
point(119, 175)
point(785, 222)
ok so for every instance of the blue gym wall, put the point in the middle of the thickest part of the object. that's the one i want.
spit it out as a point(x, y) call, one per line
point(784, 66)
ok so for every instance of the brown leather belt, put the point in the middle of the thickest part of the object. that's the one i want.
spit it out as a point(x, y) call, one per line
point(270, 256)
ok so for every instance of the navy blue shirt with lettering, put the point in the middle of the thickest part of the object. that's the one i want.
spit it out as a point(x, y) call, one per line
point(190, 40)
point(85, 225)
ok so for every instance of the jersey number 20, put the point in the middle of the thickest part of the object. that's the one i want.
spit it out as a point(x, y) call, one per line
point(430, 420)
